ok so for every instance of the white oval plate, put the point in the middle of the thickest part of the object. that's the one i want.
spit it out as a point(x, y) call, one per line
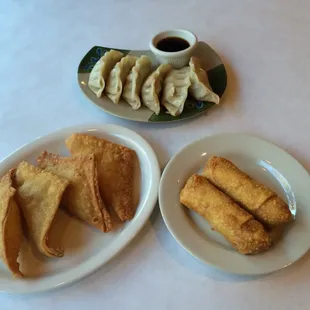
point(263, 161)
point(86, 248)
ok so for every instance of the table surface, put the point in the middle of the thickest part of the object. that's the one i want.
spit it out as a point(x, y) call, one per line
point(265, 48)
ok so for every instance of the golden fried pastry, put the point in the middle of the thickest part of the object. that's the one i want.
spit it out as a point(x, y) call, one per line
point(39, 194)
point(256, 198)
point(115, 170)
point(10, 226)
point(239, 227)
point(82, 198)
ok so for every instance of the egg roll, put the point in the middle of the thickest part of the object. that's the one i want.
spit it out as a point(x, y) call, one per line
point(10, 226)
point(225, 216)
point(115, 171)
point(39, 194)
point(260, 201)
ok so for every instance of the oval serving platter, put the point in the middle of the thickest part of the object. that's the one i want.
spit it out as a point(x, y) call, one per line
point(210, 61)
point(86, 249)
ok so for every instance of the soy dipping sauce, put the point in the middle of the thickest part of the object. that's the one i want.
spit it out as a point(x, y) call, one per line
point(172, 44)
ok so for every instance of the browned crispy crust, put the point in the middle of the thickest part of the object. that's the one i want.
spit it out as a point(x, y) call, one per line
point(239, 227)
point(82, 198)
point(39, 194)
point(10, 226)
point(115, 170)
point(256, 198)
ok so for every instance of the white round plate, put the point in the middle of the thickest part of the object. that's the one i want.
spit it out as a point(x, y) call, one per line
point(263, 161)
point(86, 248)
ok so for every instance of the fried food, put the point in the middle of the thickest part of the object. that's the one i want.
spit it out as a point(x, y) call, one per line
point(82, 198)
point(10, 226)
point(115, 171)
point(256, 198)
point(39, 194)
point(239, 227)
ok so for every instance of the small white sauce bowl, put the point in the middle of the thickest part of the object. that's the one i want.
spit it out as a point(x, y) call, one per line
point(176, 59)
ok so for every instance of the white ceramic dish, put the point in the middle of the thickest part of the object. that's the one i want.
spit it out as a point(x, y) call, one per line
point(265, 162)
point(177, 59)
point(86, 249)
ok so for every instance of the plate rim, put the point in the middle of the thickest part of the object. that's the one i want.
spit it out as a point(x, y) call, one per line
point(171, 229)
point(126, 239)
point(79, 80)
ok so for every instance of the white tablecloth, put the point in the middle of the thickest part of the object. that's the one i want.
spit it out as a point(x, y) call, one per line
point(266, 50)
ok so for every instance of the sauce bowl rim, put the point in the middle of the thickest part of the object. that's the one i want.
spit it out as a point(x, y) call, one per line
point(187, 35)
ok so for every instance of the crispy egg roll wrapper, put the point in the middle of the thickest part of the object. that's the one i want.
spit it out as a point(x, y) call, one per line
point(239, 227)
point(256, 198)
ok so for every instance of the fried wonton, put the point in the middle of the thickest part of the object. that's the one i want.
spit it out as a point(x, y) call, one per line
point(10, 226)
point(115, 171)
point(82, 198)
point(39, 194)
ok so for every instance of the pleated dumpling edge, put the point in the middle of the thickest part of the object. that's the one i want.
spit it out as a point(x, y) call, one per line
point(200, 88)
point(99, 73)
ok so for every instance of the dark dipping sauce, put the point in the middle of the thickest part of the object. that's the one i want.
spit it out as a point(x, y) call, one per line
point(172, 44)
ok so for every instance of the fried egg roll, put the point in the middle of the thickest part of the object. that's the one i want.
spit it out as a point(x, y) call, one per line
point(256, 198)
point(239, 227)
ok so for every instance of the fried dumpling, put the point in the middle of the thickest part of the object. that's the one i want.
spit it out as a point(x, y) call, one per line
point(134, 81)
point(115, 171)
point(101, 70)
point(39, 194)
point(200, 88)
point(153, 86)
point(82, 198)
point(10, 226)
point(117, 77)
point(175, 90)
